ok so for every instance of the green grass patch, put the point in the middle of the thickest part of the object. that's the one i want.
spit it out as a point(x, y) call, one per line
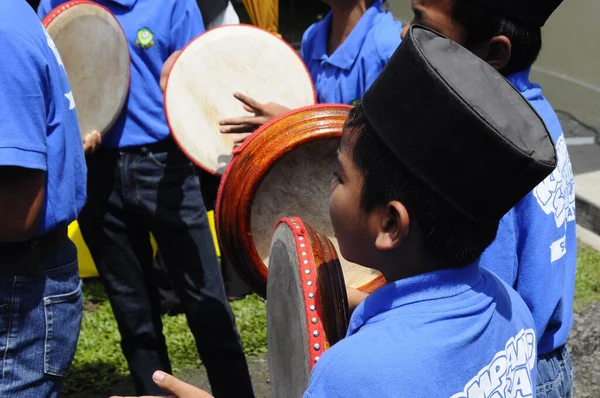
point(587, 282)
point(100, 364)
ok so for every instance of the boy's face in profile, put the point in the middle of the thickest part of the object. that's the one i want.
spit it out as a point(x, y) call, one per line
point(436, 15)
point(352, 225)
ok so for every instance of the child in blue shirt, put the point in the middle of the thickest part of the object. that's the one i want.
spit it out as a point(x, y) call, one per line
point(410, 201)
point(140, 183)
point(536, 247)
point(344, 53)
point(42, 190)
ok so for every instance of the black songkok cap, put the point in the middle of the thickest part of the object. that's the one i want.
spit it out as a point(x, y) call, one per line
point(530, 12)
point(459, 126)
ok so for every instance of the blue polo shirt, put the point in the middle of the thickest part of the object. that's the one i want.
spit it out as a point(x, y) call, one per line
point(536, 247)
point(451, 333)
point(343, 77)
point(38, 120)
point(154, 30)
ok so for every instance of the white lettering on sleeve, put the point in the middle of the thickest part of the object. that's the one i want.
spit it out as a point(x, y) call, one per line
point(558, 249)
point(69, 96)
point(556, 196)
point(52, 46)
point(509, 373)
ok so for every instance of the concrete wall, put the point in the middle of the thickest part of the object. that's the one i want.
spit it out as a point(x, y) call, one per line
point(569, 66)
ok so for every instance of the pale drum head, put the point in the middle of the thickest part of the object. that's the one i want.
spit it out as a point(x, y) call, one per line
point(95, 54)
point(307, 309)
point(228, 59)
point(299, 184)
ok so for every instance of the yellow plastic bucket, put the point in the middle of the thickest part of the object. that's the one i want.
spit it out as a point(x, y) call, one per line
point(87, 268)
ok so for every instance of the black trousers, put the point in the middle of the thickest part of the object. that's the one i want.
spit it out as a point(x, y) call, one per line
point(131, 194)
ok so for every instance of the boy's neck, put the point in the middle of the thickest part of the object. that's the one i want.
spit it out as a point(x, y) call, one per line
point(346, 15)
point(412, 264)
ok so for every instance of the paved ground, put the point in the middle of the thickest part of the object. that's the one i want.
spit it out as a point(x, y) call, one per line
point(584, 344)
point(583, 142)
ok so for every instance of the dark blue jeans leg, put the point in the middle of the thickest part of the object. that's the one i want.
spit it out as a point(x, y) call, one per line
point(169, 191)
point(555, 374)
point(118, 239)
point(40, 318)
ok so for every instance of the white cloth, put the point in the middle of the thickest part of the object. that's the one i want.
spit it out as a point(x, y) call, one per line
point(227, 17)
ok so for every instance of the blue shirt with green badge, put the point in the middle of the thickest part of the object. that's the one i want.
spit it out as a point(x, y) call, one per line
point(154, 30)
point(344, 76)
point(38, 118)
point(459, 333)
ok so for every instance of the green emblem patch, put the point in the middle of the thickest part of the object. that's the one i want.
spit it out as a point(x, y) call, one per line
point(356, 101)
point(145, 38)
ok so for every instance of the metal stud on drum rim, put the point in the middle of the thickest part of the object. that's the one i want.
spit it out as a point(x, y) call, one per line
point(302, 320)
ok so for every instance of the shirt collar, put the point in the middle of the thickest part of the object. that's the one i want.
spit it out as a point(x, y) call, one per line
point(521, 80)
point(433, 285)
point(346, 54)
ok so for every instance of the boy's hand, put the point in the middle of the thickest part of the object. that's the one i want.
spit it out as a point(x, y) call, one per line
point(355, 297)
point(178, 388)
point(91, 142)
point(247, 124)
point(166, 69)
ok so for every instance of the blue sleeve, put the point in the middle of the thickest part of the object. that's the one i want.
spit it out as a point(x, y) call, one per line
point(44, 8)
point(350, 369)
point(306, 42)
point(23, 104)
point(387, 39)
point(501, 256)
point(187, 24)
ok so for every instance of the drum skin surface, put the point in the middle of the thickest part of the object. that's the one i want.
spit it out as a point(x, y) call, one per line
point(95, 54)
point(284, 169)
point(308, 307)
point(210, 69)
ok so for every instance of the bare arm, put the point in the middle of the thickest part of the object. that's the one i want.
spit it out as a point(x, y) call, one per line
point(22, 194)
point(355, 297)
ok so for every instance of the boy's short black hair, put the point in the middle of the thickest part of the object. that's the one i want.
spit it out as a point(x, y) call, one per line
point(481, 24)
point(449, 235)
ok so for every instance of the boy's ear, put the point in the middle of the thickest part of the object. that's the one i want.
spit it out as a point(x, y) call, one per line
point(394, 226)
point(496, 52)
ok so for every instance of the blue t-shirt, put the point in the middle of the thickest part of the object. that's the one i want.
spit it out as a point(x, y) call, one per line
point(536, 247)
point(154, 29)
point(343, 77)
point(38, 120)
point(450, 333)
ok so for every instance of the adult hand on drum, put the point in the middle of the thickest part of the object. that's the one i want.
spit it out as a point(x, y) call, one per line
point(247, 124)
point(174, 386)
point(91, 142)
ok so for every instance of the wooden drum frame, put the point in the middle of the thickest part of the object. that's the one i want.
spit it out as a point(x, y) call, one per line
point(251, 165)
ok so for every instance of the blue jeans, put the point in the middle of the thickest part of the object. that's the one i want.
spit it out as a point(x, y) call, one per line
point(40, 318)
point(555, 374)
point(130, 194)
